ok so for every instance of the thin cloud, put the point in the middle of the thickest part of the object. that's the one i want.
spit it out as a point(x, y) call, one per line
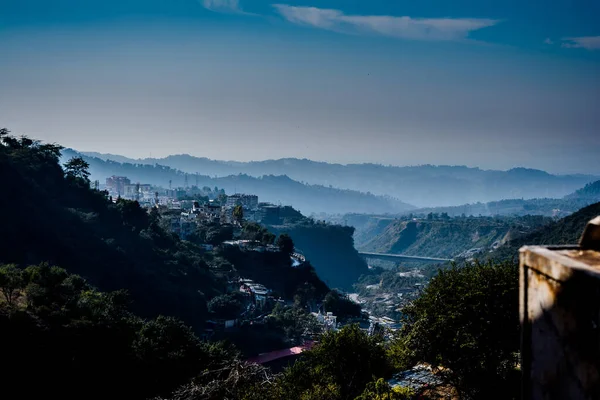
point(583, 42)
point(224, 6)
point(548, 41)
point(398, 27)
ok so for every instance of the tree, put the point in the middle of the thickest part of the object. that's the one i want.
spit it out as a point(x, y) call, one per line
point(305, 296)
point(11, 280)
point(217, 234)
point(467, 321)
point(340, 305)
point(380, 390)
point(132, 214)
point(267, 238)
point(285, 243)
point(221, 198)
point(295, 322)
point(238, 213)
point(226, 306)
point(346, 360)
point(77, 167)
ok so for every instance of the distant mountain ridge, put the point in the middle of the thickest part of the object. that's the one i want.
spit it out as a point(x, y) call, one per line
point(423, 186)
point(448, 238)
point(549, 207)
point(565, 231)
point(590, 191)
point(278, 189)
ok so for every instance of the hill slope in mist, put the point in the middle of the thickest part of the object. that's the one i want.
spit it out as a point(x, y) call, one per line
point(423, 186)
point(447, 237)
point(567, 230)
point(278, 189)
point(560, 207)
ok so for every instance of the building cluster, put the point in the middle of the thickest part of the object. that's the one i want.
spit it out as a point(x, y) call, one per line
point(257, 292)
point(327, 320)
point(247, 201)
point(121, 187)
point(185, 213)
point(252, 245)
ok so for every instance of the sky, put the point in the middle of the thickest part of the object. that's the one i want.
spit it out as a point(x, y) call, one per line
point(492, 84)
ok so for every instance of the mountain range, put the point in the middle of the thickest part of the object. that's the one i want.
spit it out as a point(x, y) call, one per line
point(277, 189)
point(422, 186)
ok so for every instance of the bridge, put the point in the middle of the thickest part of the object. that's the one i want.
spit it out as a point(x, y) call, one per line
point(402, 257)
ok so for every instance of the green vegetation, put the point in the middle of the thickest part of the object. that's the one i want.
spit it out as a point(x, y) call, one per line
point(341, 306)
point(254, 231)
point(238, 213)
point(295, 323)
point(226, 306)
point(11, 280)
point(467, 321)
point(380, 390)
point(72, 339)
point(77, 168)
point(211, 233)
point(285, 243)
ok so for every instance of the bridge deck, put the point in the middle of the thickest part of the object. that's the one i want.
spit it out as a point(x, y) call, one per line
point(393, 257)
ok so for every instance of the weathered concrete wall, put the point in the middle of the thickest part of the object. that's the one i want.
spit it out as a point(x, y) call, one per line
point(560, 317)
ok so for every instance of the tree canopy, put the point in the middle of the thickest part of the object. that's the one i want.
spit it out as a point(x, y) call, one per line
point(285, 243)
point(77, 167)
point(466, 320)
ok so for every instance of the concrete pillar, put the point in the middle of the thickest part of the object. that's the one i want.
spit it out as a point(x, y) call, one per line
point(560, 319)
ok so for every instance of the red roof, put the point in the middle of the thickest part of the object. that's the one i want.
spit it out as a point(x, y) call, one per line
point(277, 354)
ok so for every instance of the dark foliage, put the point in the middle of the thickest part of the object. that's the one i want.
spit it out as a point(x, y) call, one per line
point(338, 367)
point(341, 306)
point(53, 216)
point(274, 270)
point(226, 306)
point(466, 320)
point(69, 341)
point(285, 243)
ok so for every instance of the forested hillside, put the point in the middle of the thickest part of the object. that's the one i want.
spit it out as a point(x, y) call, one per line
point(53, 216)
point(549, 207)
point(444, 236)
point(564, 231)
point(591, 191)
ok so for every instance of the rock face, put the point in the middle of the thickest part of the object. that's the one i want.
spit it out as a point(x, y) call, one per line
point(560, 317)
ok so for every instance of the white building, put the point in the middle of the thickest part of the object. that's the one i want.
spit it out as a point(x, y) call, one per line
point(248, 201)
point(329, 321)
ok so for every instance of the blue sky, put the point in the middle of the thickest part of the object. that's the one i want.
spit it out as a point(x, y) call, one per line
point(493, 84)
